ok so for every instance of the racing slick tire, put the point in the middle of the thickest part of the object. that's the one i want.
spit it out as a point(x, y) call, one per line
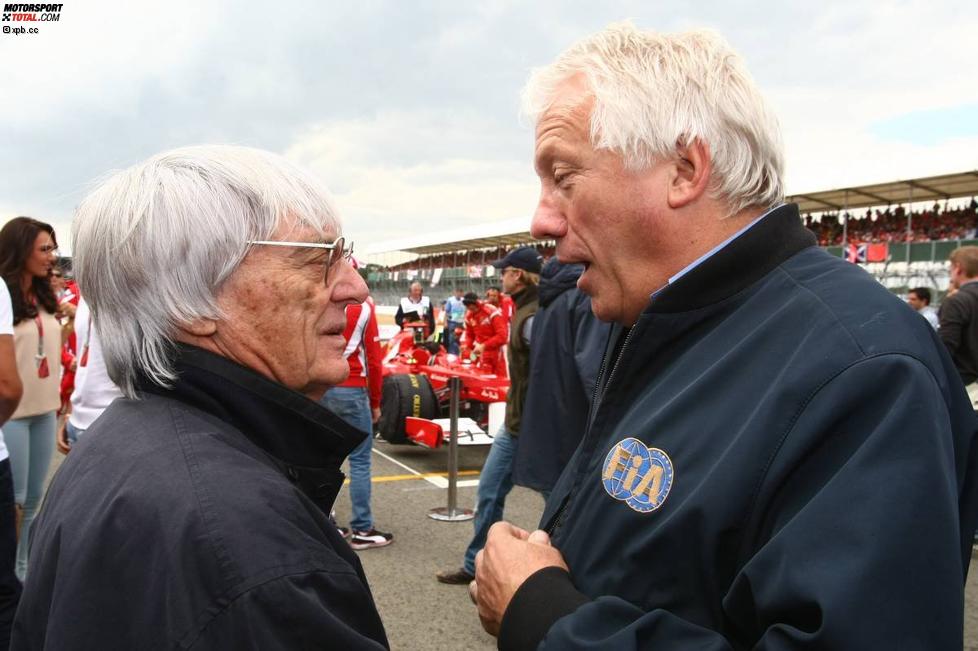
point(403, 396)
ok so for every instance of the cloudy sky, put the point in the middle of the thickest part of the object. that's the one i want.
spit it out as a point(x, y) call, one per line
point(409, 110)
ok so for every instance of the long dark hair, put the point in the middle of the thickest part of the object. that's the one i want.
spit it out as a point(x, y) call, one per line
point(17, 239)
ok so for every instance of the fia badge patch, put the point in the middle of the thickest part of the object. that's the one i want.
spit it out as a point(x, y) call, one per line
point(639, 476)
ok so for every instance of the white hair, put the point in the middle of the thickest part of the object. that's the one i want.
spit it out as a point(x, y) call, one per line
point(654, 93)
point(153, 243)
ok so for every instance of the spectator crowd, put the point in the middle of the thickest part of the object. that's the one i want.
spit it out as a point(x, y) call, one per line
point(890, 225)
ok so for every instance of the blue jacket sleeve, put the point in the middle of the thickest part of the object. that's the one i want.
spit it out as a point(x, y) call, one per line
point(854, 541)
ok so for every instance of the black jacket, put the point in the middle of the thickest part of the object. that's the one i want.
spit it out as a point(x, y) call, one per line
point(191, 519)
point(568, 343)
point(959, 330)
point(779, 446)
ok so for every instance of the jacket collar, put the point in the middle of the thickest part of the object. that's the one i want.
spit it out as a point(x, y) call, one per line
point(741, 263)
point(284, 423)
point(526, 295)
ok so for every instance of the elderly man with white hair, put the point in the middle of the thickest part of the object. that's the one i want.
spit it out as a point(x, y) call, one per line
point(779, 454)
point(191, 515)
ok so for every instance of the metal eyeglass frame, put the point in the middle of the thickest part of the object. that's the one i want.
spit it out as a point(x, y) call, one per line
point(337, 251)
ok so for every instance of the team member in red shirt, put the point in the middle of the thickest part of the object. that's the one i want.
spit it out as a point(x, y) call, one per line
point(357, 401)
point(496, 298)
point(485, 333)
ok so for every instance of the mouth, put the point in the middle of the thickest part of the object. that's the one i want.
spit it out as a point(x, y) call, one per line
point(333, 330)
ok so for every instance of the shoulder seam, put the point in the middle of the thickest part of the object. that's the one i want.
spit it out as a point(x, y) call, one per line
point(225, 602)
point(828, 309)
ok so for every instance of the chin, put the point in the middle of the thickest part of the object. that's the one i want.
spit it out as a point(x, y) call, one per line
point(335, 373)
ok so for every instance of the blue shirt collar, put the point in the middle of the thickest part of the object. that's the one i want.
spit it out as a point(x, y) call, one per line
point(706, 256)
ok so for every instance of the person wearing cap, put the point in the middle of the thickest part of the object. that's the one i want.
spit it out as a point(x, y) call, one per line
point(485, 334)
point(521, 278)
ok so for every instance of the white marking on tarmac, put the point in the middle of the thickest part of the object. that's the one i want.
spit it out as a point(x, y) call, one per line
point(438, 482)
point(413, 471)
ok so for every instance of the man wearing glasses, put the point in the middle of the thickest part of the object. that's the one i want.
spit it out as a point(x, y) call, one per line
point(194, 513)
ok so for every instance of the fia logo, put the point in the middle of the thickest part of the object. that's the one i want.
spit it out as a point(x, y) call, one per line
point(637, 475)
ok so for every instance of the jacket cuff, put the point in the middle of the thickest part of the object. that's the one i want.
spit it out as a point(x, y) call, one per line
point(539, 602)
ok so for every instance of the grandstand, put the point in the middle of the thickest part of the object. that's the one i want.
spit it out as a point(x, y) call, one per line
point(902, 235)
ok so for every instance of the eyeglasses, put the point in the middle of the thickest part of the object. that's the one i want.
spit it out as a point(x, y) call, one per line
point(338, 250)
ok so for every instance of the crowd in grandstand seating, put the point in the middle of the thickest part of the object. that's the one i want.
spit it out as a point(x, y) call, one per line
point(467, 258)
point(890, 225)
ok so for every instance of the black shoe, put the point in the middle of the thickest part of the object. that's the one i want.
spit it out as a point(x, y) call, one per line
point(455, 577)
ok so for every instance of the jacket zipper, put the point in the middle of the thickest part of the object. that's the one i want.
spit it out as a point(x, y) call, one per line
point(557, 520)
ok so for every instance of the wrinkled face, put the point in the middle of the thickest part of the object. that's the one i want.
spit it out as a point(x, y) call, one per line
point(915, 301)
point(611, 219)
point(42, 258)
point(414, 292)
point(492, 296)
point(282, 320)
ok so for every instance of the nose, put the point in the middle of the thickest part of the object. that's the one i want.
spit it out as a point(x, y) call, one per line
point(349, 286)
point(548, 223)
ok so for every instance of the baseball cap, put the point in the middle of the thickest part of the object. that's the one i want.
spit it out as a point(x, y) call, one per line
point(526, 258)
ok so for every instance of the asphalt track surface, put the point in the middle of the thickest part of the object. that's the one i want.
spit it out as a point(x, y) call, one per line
point(418, 612)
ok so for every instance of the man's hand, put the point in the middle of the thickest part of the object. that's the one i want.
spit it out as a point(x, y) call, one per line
point(478, 348)
point(375, 414)
point(61, 437)
point(67, 310)
point(510, 556)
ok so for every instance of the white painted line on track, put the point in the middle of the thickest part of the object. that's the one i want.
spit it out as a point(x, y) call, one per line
point(440, 482)
point(436, 481)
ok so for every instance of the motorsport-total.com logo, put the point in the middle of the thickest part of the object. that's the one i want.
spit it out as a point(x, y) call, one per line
point(29, 13)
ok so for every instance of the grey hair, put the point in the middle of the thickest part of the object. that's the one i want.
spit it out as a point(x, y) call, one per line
point(153, 243)
point(656, 92)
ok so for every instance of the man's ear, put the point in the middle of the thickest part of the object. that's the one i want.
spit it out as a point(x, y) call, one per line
point(199, 327)
point(692, 173)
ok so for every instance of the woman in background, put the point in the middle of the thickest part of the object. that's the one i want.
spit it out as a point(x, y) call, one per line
point(27, 256)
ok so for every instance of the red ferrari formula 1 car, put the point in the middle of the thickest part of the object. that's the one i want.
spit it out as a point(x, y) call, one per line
point(416, 374)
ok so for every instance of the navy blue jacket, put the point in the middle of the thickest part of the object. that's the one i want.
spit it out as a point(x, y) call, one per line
point(193, 518)
point(568, 345)
point(782, 457)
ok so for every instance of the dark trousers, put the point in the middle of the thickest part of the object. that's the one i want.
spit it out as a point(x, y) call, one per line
point(450, 340)
point(9, 585)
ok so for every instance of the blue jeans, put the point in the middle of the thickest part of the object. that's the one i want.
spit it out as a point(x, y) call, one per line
point(495, 482)
point(31, 443)
point(352, 405)
point(451, 343)
point(73, 432)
